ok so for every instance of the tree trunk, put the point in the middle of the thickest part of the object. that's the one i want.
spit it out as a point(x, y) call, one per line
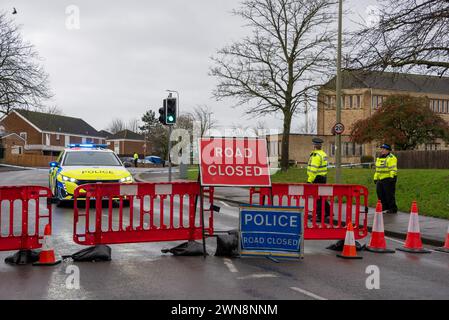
point(286, 141)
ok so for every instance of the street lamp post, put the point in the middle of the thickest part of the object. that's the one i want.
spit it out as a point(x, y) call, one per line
point(338, 94)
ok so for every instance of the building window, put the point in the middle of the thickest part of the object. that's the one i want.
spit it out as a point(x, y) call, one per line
point(377, 101)
point(348, 102)
point(432, 146)
point(332, 149)
point(24, 135)
point(327, 102)
point(358, 104)
point(439, 106)
point(58, 137)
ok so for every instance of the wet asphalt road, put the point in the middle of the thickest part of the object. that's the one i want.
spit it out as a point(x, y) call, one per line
point(141, 271)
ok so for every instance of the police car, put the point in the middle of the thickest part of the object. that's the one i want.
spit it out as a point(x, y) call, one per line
point(82, 164)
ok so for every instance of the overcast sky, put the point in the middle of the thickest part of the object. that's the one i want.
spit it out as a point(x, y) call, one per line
point(127, 53)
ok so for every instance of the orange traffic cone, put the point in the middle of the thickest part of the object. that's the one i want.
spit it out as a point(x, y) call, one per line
point(349, 248)
point(445, 248)
point(377, 242)
point(47, 255)
point(413, 243)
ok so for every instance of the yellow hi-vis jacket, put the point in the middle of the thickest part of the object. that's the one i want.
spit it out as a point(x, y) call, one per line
point(136, 156)
point(386, 167)
point(317, 165)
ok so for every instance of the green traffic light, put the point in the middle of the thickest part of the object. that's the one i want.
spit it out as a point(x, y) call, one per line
point(170, 118)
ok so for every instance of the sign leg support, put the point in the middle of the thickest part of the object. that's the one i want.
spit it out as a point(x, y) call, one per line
point(202, 221)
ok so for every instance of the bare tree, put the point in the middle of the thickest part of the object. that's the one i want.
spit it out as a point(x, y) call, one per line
point(23, 81)
point(260, 129)
point(410, 34)
point(203, 116)
point(133, 125)
point(309, 129)
point(116, 125)
point(282, 62)
point(54, 110)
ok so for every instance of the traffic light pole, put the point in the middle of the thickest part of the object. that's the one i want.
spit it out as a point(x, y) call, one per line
point(170, 128)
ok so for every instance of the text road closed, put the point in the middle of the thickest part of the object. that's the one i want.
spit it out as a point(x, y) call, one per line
point(234, 162)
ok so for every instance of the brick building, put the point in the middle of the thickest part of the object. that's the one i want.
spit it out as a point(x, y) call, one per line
point(362, 94)
point(126, 143)
point(11, 143)
point(48, 134)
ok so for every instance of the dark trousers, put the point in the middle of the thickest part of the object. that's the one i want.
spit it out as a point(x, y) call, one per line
point(135, 163)
point(327, 208)
point(386, 193)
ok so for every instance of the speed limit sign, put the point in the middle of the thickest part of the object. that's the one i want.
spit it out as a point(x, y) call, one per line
point(339, 128)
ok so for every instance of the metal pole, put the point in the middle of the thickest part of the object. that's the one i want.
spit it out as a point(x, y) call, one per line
point(339, 80)
point(170, 127)
point(307, 115)
point(169, 133)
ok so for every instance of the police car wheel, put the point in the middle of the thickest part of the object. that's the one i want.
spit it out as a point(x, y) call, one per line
point(58, 199)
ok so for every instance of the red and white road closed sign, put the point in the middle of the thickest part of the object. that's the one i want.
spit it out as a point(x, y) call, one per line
point(234, 162)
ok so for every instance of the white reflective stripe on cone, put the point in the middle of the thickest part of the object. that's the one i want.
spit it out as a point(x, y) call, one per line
point(378, 224)
point(413, 224)
point(350, 239)
point(47, 244)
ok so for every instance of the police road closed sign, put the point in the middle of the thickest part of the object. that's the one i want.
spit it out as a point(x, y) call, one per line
point(234, 162)
point(271, 232)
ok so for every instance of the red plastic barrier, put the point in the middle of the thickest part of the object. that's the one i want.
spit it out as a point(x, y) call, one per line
point(17, 231)
point(156, 212)
point(347, 203)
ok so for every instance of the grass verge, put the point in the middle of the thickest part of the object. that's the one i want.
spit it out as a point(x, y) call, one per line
point(429, 187)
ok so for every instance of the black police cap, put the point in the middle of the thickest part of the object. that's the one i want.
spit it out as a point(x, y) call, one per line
point(317, 141)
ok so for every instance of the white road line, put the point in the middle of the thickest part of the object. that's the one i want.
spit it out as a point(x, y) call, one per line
point(230, 265)
point(259, 276)
point(307, 293)
point(394, 240)
point(404, 243)
point(227, 205)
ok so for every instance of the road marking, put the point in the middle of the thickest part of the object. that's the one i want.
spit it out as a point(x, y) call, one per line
point(307, 293)
point(259, 276)
point(230, 265)
point(394, 240)
point(433, 250)
point(227, 205)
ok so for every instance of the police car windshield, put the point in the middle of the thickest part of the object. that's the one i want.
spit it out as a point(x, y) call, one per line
point(91, 158)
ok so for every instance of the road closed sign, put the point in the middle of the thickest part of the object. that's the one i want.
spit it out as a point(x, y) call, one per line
point(271, 232)
point(234, 162)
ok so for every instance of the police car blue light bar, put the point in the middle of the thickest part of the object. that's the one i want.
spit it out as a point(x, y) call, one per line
point(87, 145)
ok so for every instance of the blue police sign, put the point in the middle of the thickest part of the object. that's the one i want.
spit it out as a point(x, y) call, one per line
point(271, 231)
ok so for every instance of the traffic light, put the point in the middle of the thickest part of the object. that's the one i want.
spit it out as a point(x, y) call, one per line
point(162, 114)
point(170, 111)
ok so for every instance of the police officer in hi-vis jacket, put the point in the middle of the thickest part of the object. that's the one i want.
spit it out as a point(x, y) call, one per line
point(385, 179)
point(317, 172)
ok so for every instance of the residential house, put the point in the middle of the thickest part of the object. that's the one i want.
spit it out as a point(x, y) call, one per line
point(48, 134)
point(126, 143)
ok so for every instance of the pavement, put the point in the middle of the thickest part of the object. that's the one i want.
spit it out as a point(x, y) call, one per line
point(433, 230)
